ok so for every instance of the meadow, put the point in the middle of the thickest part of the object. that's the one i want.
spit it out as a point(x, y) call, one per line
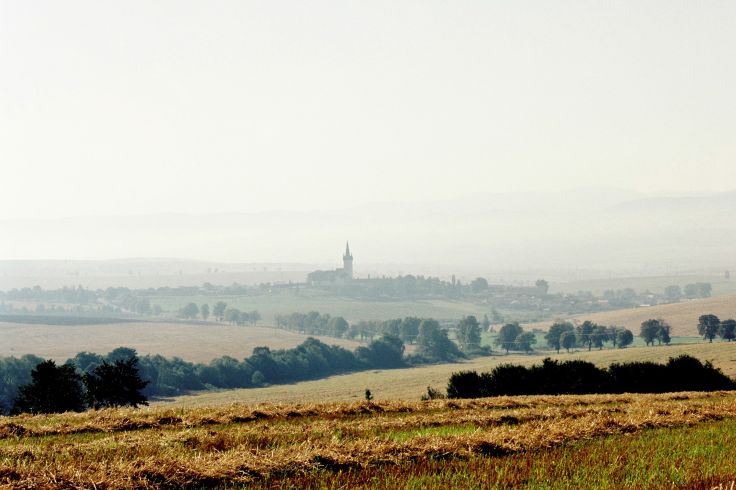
point(592, 441)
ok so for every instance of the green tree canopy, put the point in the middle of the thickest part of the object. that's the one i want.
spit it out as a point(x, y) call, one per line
point(468, 333)
point(708, 326)
point(506, 338)
point(554, 334)
point(53, 389)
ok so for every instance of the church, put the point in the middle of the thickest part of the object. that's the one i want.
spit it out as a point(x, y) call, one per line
point(334, 277)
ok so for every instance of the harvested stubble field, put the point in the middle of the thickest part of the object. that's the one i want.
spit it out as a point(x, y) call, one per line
point(594, 441)
point(682, 317)
point(198, 342)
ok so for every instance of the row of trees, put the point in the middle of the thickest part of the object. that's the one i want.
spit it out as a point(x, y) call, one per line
point(432, 340)
point(92, 380)
point(710, 326)
point(683, 373)
point(220, 312)
point(55, 389)
point(565, 335)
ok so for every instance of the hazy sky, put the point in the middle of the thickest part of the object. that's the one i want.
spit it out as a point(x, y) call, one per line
point(139, 106)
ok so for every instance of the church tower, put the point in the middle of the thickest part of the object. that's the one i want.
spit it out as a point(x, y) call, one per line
point(347, 262)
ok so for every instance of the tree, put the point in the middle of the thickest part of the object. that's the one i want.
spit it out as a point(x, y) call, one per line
point(219, 310)
point(585, 333)
point(554, 334)
point(479, 284)
point(254, 317)
point(121, 354)
point(663, 335)
point(649, 330)
point(708, 326)
point(385, 352)
point(338, 326)
point(53, 389)
point(115, 384)
point(409, 329)
point(507, 334)
point(698, 290)
point(599, 336)
point(727, 330)
point(568, 340)
point(624, 337)
point(673, 293)
point(434, 343)
point(468, 333)
point(542, 285)
point(205, 311)
point(232, 316)
point(524, 341)
point(190, 311)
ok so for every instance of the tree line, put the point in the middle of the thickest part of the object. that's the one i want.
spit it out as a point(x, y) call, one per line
point(55, 389)
point(552, 377)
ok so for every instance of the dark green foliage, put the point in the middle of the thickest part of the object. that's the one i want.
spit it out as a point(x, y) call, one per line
point(524, 341)
point(14, 373)
point(683, 373)
point(53, 389)
point(507, 334)
point(386, 352)
point(655, 329)
point(727, 330)
point(116, 384)
point(464, 384)
point(585, 333)
point(708, 326)
point(434, 344)
point(624, 338)
point(568, 340)
point(554, 334)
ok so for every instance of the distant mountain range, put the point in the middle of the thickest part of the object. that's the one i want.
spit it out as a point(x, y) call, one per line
point(601, 229)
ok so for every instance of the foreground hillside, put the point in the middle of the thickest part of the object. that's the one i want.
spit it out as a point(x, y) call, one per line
point(410, 383)
point(682, 317)
point(638, 441)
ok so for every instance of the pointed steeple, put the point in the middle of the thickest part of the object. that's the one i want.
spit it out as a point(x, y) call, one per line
point(347, 261)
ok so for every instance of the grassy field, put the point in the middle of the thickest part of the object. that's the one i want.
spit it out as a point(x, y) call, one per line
point(594, 441)
point(288, 301)
point(683, 317)
point(409, 384)
point(192, 342)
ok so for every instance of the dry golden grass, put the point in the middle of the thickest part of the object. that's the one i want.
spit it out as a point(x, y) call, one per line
point(241, 445)
point(683, 317)
point(192, 342)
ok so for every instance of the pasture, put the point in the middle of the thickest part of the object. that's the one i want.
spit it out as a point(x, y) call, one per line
point(592, 441)
point(198, 342)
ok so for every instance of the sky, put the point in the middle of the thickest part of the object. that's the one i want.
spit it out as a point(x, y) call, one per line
point(136, 107)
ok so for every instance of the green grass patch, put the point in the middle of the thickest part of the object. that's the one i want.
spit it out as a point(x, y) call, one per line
point(687, 457)
point(445, 430)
